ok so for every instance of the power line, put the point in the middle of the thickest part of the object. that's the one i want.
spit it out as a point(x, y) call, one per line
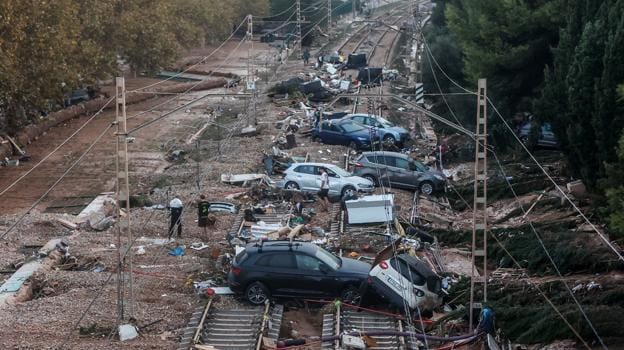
point(539, 165)
point(196, 64)
point(42, 197)
point(552, 261)
point(57, 148)
point(430, 55)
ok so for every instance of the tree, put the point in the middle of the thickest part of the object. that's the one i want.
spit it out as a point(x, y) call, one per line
point(506, 41)
point(580, 91)
point(52, 47)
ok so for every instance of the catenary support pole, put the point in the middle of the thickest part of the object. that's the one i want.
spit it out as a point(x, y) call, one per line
point(479, 213)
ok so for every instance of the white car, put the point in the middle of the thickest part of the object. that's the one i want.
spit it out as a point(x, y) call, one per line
point(306, 177)
point(406, 279)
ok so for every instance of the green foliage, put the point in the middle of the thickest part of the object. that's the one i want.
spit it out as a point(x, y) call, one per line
point(52, 47)
point(579, 96)
point(508, 42)
point(615, 193)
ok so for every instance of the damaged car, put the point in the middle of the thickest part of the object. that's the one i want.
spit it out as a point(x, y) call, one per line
point(345, 132)
point(306, 177)
point(286, 269)
point(404, 279)
point(389, 133)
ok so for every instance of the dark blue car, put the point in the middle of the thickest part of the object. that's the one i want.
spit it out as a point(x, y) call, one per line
point(345, 132)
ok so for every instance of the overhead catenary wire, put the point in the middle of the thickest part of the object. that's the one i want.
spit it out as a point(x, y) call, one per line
point(565, 195)
point(45, 194)
point(201, 61)
point(42, 197)
point(430, 56)
point(552, 261)
point(15, 182)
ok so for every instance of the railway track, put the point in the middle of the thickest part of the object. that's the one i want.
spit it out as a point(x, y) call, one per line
point(346, 320)
point(354, 43)
point(233, 328)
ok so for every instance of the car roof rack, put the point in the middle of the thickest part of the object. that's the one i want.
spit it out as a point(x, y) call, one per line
point(287, 243)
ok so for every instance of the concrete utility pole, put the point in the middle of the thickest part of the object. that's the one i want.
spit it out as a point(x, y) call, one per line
point(300, 39)
point(122, 193)
point(353, 8)
point(329, 14)
point(251, 79)
point(479, 213)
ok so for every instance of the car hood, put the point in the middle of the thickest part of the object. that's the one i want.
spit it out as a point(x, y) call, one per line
point(397, 129)
point(355, 267)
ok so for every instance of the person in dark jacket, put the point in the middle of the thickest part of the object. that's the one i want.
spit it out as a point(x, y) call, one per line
point(175, 208)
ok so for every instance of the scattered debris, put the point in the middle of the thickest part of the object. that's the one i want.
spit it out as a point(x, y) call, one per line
point(127, 332)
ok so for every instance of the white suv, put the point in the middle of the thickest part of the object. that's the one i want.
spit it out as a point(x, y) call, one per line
point(406, 279)
point(307, 178)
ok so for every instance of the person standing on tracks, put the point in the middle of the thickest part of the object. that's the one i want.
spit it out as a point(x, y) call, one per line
point(203, 212)
point(324, 192)
point(306, 57)
point(175, 208)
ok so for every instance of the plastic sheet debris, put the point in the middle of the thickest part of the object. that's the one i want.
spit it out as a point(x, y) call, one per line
point(127, 332)
point(198, 246)
point(177, 251)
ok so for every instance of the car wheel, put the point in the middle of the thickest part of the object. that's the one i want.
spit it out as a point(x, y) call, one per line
point(256, 293)
point(353, 145)
point(291, 186)
point(348, 190)
point(372, 179)
point(426, 187)
point(316, 139)
point(351, 295)
point(389, 141)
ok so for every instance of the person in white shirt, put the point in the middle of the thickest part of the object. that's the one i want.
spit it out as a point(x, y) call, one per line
point(324, 192)
point(175, 207)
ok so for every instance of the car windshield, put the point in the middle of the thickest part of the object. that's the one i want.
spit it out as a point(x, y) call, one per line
point(386, 123)
point(340, 172)
point(420, 166)
point(351, 127)
point(328, 258)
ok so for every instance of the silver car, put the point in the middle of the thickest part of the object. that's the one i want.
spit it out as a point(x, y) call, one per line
point(307, 178)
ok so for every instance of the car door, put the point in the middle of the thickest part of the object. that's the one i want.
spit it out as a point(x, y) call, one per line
point(277, 271)
point(403, 176)
point(301, 175)
point(311, 177)
point(314, 278)
point(331, 134)
point(392, 172)
point(378, 162)
point(335, 182)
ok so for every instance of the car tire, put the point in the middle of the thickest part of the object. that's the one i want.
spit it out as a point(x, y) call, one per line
point(347, 189)
point(389, 141)
point(353, 145)
point(372, 179)
point(351, 295)
point(316, 139)
point(291, 185)
point(426, 187)
point(257, 293)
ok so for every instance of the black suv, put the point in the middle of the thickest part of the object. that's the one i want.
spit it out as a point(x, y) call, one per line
point(297, 269)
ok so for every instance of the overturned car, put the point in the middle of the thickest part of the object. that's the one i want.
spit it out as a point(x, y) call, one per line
point(404, 279)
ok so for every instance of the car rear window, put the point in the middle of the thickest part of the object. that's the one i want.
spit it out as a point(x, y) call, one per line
point(242, 256)
point(407, 272)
